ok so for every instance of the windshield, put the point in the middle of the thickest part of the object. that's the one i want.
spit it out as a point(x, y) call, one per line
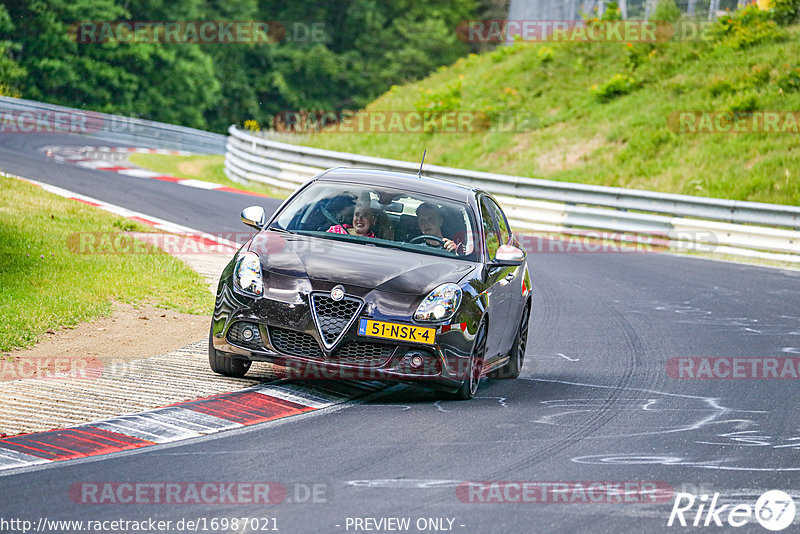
point(383, 217)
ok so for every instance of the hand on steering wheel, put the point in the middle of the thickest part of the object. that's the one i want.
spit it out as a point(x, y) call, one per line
point(427, 237)
point(447, 244)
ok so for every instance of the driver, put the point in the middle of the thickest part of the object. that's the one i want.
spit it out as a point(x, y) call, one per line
point(429, 222)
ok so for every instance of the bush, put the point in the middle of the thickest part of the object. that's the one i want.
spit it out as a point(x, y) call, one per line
point(667, 10)
point(743, 102)
point(612, 11)
point(502, 52)
point(636, 55)
point(720, 87)
point(545, 54)
point(744, 28)
point(618, 85)
point(758, 75)
point(7, 90)
point(789, 81)
point(785, 12)
point(432, 104)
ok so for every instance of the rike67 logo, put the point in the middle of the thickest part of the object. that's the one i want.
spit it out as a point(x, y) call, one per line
point(774, 510)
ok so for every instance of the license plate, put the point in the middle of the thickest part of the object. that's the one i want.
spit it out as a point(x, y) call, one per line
point(397, 331)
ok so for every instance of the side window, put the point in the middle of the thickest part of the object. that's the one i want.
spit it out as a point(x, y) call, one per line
point(489, 230)
point(500, 217)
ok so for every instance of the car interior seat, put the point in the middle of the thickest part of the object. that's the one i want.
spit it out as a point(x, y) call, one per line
point(406, 228)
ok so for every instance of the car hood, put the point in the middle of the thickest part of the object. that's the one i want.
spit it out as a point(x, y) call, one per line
point(355, 264)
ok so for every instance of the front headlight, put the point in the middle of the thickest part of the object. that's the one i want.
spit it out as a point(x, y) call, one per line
point(247, 275)
point(440, 304)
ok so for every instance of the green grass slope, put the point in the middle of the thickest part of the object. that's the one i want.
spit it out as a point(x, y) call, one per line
point(601, 113)
point(49, 280)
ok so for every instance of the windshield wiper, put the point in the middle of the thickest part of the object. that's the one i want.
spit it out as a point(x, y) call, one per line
point(280, 230)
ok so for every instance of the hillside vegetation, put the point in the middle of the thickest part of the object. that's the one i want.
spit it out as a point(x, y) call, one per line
point(600, 112)
point(209, 74)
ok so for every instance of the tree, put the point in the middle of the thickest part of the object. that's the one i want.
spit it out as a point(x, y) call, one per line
point(365, 47)
point(11, 74)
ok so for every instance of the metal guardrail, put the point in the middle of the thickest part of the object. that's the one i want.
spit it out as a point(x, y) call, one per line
point(550, 206)
point(735, 227)
point(31, 116)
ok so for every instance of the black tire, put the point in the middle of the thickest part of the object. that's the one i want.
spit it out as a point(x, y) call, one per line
point(516, 357)
point(225, 365)
point(470, 385)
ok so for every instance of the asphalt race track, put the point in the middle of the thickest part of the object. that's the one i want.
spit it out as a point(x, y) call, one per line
point(595, 403)
point(207, 211)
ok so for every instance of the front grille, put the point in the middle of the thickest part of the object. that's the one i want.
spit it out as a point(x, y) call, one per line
point(235, 336)
point(333, 317)
point(361, 353)
point(295, 343)
point(351, 353)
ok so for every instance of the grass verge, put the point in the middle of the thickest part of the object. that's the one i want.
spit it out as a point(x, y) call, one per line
point(206, 167)
point(47, 284)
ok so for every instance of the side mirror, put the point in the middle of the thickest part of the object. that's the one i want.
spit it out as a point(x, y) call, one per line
point(508, 255)
point(254, 216)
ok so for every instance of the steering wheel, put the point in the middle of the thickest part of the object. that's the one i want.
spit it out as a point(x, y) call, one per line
point(428, 237)
point(328, 216)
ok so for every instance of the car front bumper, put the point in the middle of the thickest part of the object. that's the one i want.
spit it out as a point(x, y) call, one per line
point(283, 332)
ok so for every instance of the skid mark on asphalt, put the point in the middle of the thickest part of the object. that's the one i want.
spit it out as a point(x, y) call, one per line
point(501, 400)
point(604, 411)
point(603, 415)
point(439, 407)
point(403, 483)
point(708, 422)
point(696, 316)
point(708, 411)
point(721, 464)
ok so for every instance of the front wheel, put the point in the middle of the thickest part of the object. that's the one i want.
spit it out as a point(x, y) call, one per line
point(473, 378)
point(516, 357)
point(225, 365)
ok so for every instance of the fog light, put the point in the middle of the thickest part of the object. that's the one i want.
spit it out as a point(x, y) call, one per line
point(248, 334)
point(416, 361)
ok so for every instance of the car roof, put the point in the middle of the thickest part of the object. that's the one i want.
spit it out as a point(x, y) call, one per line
point(399, 180)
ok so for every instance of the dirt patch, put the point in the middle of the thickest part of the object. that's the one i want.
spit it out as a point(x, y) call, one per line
point(193, 167)
point(521, 145)
point(130, 333)
point(565, 157)
point(752, 163)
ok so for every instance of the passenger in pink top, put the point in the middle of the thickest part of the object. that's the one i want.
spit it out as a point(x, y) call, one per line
point(363, 219)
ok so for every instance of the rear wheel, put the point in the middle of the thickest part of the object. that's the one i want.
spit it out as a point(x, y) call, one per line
point(516, 357)
point(473, 378)
point(225, 365)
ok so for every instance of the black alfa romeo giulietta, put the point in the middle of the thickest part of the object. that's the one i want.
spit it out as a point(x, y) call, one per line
point(377, 275)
